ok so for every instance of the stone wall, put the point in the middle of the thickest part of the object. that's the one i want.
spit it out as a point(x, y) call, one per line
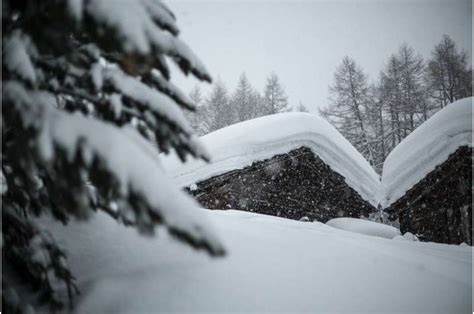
point(439, 208)
point(291, 185)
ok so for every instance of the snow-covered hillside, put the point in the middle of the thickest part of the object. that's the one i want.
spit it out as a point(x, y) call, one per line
point(239, 145)
point(424, 149)
point(273, 264)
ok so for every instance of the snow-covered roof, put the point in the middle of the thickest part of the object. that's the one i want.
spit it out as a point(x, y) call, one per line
point(425, 148)
point(241, 144)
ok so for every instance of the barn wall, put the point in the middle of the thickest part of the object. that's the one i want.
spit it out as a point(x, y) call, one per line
point(291, 185)
point(439, 208)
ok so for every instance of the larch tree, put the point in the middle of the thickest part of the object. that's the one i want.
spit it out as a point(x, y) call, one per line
point(449, 75)
point(199, 118)
point(377, 119)
point(412, 69)
point(301, 108)
point(401, 95)
point(86, 83)
point(219, 107)
point(257, 104)
point(390, 94)
point(275, 99)
point(347, 111)
point(244, 100)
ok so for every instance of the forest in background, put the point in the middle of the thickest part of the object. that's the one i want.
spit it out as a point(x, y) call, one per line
point(373, 116)
point(221, 108)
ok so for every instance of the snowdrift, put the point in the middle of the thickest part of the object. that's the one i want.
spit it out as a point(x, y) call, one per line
point(241, 144)
point(366, 227)
point(425, 148)
point(273, 265)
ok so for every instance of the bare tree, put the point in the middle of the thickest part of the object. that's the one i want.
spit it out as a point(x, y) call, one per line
point(391, 96)
point(275, 97)
point(246, 101)
point(349, 98)
point(401, 92)
point(218, 106)
point(411, 85)
point(241, 99)
point(375, 119)
point(301, 108)
point(378, 121)
point(448, 74)
point(200, 119)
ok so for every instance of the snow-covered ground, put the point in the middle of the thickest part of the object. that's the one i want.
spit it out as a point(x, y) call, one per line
point(363, 226)
point(273, 264)
point(241, 144)
point(425, 148)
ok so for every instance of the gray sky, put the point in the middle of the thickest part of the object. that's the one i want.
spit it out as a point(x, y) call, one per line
point(304, 41)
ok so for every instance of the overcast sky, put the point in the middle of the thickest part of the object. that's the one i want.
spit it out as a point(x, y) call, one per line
point(304, 41)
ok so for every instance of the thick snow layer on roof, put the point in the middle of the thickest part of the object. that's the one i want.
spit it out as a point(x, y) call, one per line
point(425, 148)
point(241, 144)
point(366, 227)
point(273, 265)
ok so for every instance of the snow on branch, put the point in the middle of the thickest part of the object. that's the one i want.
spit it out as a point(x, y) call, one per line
point(162, 15)
point(165, 86)
point(16, 53)
point(144, 27)
point(40, 256)
point(125, 157)
point(143, 94)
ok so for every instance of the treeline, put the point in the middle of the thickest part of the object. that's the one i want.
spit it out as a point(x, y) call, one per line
point(376, 117)
point(220, 108)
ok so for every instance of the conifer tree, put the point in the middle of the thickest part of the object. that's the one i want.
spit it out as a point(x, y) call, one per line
point(350, 98)
point(87, 98)
point(200, 118)
point(449, 75)
point(402, 94)
point(244, 101)
point(301, 108)
point(218, 103)
point(412, 68)
point(274, 96)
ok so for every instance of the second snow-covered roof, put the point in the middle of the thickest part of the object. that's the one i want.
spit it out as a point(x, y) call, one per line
point(425, 148)
point(241, 144)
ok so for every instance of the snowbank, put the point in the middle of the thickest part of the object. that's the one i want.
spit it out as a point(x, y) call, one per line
point(408, 236)
point(366, 227)
point(273, 265)
point(241, 144)
point(425, 148)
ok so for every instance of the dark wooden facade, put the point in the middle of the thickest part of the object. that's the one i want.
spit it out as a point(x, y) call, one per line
point(291, 185)
point(439, 207)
